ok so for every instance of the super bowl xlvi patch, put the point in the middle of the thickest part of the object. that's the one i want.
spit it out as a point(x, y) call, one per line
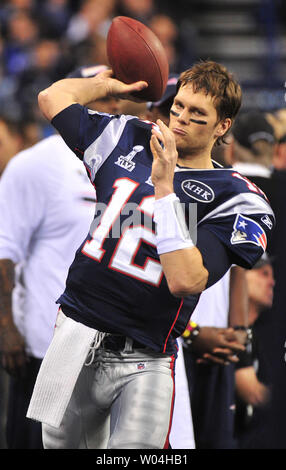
point(126, 161)
point(198, 190)
point(246, 230)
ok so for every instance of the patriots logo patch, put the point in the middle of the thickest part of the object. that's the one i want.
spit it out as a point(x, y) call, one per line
point(246, 230)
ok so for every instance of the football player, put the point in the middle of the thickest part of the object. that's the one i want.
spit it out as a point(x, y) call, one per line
point(107, 378)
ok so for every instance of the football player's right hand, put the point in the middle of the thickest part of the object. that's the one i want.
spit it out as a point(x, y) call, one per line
point(12, 351)
point(120, 89)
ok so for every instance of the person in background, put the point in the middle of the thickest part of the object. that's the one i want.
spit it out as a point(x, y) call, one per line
point(161, 109)
point(252, 150)
point(219, 320)
point(141, 10)
point(12, 140)
point(277, 120)
point(252, 373)
point(48, 184)
point(167, 31)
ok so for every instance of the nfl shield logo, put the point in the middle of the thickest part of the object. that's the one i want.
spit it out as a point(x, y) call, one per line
point(141, 366)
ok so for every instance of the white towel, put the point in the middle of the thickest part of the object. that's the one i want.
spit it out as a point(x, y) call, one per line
point(182, 431)
point(59, 370)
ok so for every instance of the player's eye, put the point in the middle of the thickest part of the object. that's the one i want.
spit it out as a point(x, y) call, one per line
point(178, 105)
point(198, 112)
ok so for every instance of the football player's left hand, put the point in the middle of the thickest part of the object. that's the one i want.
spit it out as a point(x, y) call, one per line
point(165, 156)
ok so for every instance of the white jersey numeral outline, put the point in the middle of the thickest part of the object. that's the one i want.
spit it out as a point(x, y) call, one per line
point(130, 241)
point(251, 186)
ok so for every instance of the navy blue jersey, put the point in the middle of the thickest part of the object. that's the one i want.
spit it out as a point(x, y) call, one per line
point(116, 283)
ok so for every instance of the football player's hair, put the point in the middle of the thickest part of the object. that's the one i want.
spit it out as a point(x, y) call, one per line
point(215, 80)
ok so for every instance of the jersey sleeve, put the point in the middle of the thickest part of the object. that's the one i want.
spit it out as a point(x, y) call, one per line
point(216, 256)
point(244, 226)
point(91, 135)
point(22, 205)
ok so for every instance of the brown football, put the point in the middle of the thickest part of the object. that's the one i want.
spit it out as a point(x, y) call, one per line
point(135, 53)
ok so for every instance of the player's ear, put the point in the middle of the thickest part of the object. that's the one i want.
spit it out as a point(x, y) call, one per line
point(222, 127)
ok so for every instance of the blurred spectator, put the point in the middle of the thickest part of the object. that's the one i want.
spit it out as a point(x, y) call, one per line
point(166, 30)
point(42, 72)
point(92, 51)
point(279, 159)
point(161, 109)
point(21, 4)
point(168, 20)
point(179, 39)
point(87, 31)
point(93, 16)
point(273, 182)
point(8, 7)
point(278, 122)
point(12, 140)
point(210, 359)
point(253, 370)
point(251, 149)
point(141, 10)
point(16, 135)
point(33, 132)
point(254, 141)
point(55, 16)
point(22, 35)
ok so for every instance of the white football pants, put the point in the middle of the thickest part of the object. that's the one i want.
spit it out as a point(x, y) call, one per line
point(123, 400)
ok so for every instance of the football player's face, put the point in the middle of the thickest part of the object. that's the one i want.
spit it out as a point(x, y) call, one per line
point(194, 121)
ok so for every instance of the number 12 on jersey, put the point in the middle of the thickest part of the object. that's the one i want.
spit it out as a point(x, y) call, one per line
point(131, 238)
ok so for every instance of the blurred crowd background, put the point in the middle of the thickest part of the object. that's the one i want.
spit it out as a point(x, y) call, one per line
point(43, 40)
